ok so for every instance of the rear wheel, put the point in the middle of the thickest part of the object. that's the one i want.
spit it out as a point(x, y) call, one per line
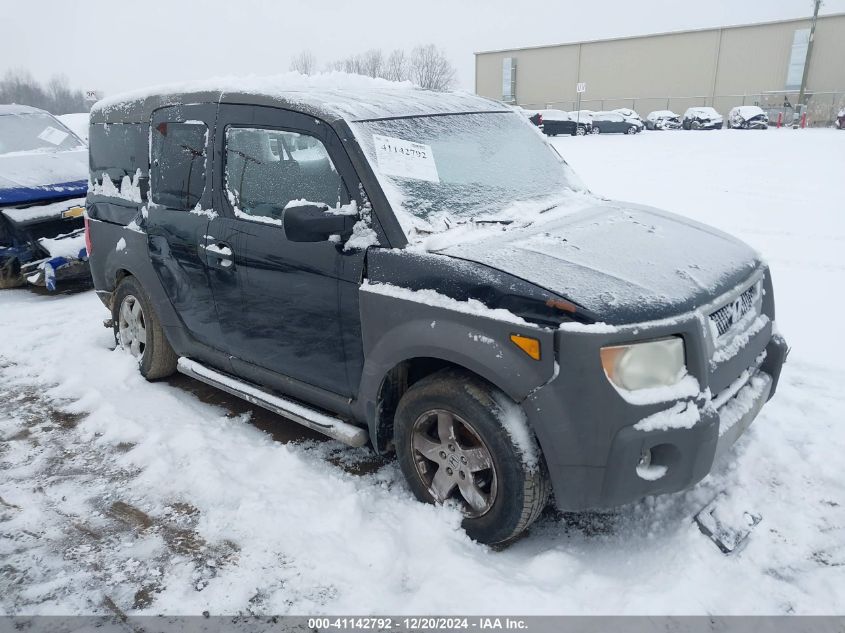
point(580, 131)
point(596, 129)
point(138, 331)
point(452, 447)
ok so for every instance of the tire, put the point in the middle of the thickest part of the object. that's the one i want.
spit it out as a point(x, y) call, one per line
point(580, 131)
point(10, 274)
point(695, 125)
point(596, 129)
point(138, 330)
point(508, 493)
point(631, 130)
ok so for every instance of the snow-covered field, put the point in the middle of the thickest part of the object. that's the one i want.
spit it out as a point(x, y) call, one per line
point(117, 494)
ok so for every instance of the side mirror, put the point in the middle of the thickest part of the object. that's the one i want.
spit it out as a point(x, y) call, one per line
point(315, 223)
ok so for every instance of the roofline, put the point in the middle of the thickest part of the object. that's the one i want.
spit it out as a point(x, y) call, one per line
point(660, 34)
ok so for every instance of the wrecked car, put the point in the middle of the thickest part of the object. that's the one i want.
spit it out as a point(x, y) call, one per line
point(748, 118)
point(43, 182)
point(663, 120)
point(423, 273)
point(702, 118)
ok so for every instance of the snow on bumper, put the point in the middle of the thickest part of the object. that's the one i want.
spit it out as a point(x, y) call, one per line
point(603, 450)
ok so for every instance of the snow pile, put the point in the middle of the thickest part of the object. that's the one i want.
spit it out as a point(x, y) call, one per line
point(69, 245)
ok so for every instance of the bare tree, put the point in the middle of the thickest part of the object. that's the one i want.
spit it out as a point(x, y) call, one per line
point(19, 86)
point(430, 68)
point(427, 66)
point(396, 66)
point(304, 62)
point(371, 63)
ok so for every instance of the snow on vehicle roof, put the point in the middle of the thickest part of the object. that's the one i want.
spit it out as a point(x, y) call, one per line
point(14, 108)
point(331, 96)
point(661, 114)
point(704, 110)
point(748, 111)
point(555, 115)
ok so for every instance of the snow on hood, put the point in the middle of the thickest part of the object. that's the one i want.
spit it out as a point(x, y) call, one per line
point(38, 175)
point(623, 262)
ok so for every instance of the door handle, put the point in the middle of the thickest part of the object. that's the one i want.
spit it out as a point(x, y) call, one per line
point(221, 252)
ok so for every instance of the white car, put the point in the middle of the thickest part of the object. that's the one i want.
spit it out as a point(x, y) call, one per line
point(702, 118)
point(663, 120)
point(748, 118)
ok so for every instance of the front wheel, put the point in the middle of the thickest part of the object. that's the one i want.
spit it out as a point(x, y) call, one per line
point(596, 129)
point(138, 331)
point(453, 446)
point(631, 130)
point(580, 131)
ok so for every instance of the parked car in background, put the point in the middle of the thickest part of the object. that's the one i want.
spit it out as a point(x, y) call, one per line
point(663, 120)
point(584, 118)
point(532, 115)
point(702, 118)
point(557, 122)
point(840, 119)
point(748, 118)
point(77, 122)
point(43, 181)
point(631, 117)
point(614, 123)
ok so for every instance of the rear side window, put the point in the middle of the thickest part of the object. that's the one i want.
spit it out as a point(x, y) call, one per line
point(178, 164)
point(118, 150)
point(267, 169)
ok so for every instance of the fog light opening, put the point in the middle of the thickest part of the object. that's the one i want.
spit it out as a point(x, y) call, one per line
point(647, 470)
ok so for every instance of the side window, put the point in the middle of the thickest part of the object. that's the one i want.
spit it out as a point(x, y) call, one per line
point(267, 169)
point(179, 164)
point(119, 150)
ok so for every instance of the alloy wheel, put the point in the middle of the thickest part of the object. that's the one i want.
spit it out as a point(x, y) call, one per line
point(453, 462)
point(131, 326)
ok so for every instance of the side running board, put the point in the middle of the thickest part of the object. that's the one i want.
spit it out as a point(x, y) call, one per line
point(306, 416)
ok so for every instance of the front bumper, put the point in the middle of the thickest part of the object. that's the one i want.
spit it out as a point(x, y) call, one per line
point(587, 429)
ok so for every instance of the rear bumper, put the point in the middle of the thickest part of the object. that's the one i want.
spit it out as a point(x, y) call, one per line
point(593, 450)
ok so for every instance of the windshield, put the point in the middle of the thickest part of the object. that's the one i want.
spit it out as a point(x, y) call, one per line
point(35, 132)
point(439, 170)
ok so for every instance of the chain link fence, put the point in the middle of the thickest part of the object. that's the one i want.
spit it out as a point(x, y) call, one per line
point(822, 107)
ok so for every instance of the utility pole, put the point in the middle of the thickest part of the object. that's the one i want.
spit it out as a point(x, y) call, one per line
point(801, 103)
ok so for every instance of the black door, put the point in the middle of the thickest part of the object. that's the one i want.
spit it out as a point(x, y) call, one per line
point(176, 220)
point(286, 314)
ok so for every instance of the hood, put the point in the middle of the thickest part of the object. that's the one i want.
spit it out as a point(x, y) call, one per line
point(33, 176)
point(625, 263)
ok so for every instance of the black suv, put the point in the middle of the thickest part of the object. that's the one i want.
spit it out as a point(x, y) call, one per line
point(423, 272)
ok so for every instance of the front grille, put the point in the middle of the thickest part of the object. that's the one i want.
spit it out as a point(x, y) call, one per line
point(727, 316)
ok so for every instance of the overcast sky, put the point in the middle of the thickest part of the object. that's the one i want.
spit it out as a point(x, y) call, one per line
point(114, 45)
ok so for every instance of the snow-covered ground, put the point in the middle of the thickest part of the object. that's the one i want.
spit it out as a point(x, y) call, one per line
point(117, 494)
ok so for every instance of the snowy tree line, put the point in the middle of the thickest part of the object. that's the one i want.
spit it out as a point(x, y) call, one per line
point(427, 66)
point(19, 86)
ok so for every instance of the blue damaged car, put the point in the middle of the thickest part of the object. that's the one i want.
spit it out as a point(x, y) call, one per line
point(43, 183)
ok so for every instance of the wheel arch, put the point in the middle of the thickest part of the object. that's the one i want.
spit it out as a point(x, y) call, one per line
point(408, 340)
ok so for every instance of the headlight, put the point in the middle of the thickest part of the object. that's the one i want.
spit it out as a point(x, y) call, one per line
point(645, 365)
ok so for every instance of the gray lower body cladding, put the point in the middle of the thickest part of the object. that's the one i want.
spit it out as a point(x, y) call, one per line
point(586, 429)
